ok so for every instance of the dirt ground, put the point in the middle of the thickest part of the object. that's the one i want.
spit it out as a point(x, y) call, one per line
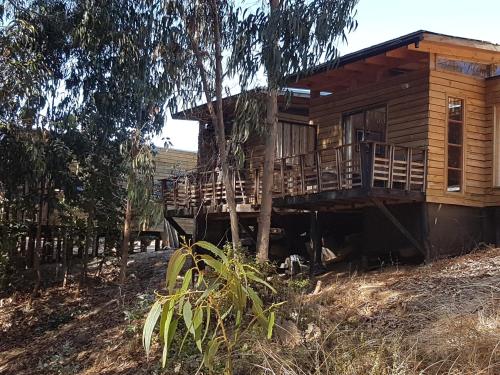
point(98, 330)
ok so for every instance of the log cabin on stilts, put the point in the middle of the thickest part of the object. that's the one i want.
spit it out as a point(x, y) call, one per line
point(395, 149)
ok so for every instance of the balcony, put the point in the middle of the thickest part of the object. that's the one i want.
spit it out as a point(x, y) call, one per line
point(335, 178)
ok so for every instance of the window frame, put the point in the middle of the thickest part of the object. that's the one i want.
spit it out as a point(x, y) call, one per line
point(363, 110)
point(446, 145)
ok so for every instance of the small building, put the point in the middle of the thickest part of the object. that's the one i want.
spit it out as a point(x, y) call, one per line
point(395, 149)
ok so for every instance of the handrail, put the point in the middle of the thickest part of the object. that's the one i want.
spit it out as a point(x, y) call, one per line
point(363, 165)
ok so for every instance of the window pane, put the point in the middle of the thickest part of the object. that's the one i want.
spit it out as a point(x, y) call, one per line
point(351, 124)
point(454, 156)
point(455, 109)
point(455, 133)
point(375, 124)
point(454, 180)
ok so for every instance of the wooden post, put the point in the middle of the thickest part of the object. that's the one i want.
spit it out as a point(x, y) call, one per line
point(315, 236)
point(144, 245)
point(23, 246)
point(157, 244)
point(408, 168)
point(186, 190)
point(319, 171)
point(131, 243)
point(425, 230)
point(31, 249)
point(282, 173)
point(424, 181)
point(95, 252)
point(257, 185)
point(366, 151)
point(59, 246)
point(338, 158)
point(391, 162)
point(175, 194)
point(214, 189)
point(302, 176)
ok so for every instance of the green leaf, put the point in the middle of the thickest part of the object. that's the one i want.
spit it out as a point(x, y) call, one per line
point(218, 266)
point(164, 313)
point(149, 325)
point(187, 314)
point(270, 325)
point(207, 324)
point(208, 357)
point(187, 280)
point(168, 341)
point(197, 324)
point(188, 276)
point(257, 279)
point(213, 249)
point(167, 333)
point(174, 267)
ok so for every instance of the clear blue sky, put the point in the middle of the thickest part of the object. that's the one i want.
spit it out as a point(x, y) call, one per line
point(381, 20)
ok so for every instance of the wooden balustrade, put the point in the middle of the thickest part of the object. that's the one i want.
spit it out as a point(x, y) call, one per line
point(365, 165)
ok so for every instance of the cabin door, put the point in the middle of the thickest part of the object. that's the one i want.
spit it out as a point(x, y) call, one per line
point(363, 126)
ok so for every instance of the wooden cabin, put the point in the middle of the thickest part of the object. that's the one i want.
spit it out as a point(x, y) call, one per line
point(395, 150)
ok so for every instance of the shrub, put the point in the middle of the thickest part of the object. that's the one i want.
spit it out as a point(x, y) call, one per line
point(217, 311)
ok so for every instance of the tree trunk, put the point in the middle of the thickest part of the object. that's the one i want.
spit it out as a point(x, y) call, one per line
point(221, 137)
point(88, 245)
point(38, 242)
point(125, 242)
point(64, 256)
point(217, 117)
point(266, 205)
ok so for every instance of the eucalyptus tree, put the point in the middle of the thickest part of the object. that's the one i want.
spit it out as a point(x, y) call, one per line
point(200, 34)
point(285, 37)
point(122, 62)
point(35, 41)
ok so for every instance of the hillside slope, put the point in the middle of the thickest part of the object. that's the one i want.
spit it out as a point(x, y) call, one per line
point(442, 318)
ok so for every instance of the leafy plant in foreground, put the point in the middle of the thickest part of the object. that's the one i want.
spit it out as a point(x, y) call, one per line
point(222, 305)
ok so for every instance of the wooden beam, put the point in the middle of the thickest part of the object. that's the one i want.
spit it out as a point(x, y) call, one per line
point(176, 226)
point(393, 219)
point(249, 231)
point(460, 52)
point(315, 235)
point(407, 54)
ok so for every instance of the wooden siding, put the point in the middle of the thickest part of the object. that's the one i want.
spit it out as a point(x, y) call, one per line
point(492, 100)
point(406, 97)
point(478, 143)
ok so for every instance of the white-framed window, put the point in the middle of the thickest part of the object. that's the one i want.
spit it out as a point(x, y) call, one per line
point(455, 145)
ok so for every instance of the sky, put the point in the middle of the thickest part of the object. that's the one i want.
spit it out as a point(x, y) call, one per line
point(381, 20)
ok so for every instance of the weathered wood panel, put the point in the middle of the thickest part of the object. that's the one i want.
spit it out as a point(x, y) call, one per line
point(407, 100)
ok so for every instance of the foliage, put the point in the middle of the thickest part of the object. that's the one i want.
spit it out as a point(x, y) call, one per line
point(217, 311)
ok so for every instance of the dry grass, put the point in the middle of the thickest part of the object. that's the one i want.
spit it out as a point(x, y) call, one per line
point(438, 319)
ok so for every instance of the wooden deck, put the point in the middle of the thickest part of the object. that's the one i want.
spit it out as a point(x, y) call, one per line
point(328, 177)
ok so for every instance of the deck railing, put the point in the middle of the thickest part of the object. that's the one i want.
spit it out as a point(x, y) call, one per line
point(364, 165)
